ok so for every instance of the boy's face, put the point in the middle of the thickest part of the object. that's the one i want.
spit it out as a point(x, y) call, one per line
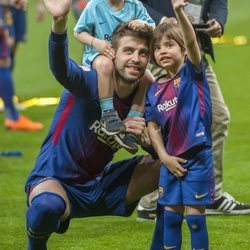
point(131, 59)
point(168, 53)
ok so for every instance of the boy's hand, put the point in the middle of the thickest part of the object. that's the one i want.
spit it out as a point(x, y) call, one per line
point(178, 4)
point(168, 20)
point(138, 25)
point(104, 47)
point(174, 165)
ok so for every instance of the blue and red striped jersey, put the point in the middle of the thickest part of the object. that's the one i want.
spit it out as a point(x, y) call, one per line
point(182, 108)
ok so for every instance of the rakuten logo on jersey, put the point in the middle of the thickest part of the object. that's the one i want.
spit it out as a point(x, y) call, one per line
point(167, 105)
point(103, 137)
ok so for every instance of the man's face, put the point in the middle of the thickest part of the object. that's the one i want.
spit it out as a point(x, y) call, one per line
point(131, 59)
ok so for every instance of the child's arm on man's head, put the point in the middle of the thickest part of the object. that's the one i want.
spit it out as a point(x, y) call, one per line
point(139, 25)
point(104, 47)
point(189, 36)
point(84, 37)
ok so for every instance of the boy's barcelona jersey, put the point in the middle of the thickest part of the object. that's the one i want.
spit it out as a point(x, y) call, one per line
point(182, 108)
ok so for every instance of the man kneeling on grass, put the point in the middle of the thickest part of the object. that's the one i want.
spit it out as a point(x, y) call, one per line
point(73, 175)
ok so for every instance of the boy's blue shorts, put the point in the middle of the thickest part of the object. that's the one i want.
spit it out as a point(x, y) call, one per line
point(196, 188)
point(104, 195)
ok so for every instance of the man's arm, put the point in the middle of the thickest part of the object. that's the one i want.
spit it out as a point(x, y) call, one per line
point(218, 10)
point(215, 13)
point(65, 70)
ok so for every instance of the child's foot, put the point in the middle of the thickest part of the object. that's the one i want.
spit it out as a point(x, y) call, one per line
point(111, 123)
point(128, 141)
point(23, 123)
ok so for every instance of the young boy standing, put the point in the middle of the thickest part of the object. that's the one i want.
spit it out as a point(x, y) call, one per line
point(178, 113)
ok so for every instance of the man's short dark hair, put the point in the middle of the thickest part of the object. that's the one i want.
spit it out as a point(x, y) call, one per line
point(122, 30)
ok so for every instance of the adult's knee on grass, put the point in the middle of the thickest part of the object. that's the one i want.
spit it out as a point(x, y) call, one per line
point(43, 215)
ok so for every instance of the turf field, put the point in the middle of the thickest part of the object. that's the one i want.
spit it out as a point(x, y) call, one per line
point(33, 78)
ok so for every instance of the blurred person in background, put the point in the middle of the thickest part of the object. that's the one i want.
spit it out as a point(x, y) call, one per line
point(13, 31)
point(77, 7)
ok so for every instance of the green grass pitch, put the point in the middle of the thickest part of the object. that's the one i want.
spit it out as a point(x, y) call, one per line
point(33, 78)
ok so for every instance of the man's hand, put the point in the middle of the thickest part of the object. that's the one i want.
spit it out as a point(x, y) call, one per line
point(135, 125)
point(58, 8)
point(104, 47)
point(215, 29)
point(144, 140)
point(139, 25)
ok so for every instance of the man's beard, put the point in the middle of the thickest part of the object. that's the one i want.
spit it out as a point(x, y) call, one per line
point(122, 75)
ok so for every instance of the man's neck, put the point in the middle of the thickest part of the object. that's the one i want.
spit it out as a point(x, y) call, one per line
point(124, 88)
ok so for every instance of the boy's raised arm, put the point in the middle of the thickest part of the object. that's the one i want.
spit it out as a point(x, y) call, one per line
point(191, 44)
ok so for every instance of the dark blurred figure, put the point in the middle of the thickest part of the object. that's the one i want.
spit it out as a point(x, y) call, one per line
point(13, 31)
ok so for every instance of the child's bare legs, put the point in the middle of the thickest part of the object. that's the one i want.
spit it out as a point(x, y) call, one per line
point(110, 120)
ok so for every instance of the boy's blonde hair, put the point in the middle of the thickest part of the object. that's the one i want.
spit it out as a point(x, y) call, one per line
point(170, 30)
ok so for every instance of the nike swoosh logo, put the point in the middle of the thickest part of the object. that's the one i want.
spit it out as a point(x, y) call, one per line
point(199, 196)
point(158, 92)
point(171, 247)
point(102, 23)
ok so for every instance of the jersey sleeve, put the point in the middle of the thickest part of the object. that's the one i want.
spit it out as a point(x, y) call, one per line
point(85, 22)
point(142, 14)
point(149, 107)
point(79, 81)
point(197, 74)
